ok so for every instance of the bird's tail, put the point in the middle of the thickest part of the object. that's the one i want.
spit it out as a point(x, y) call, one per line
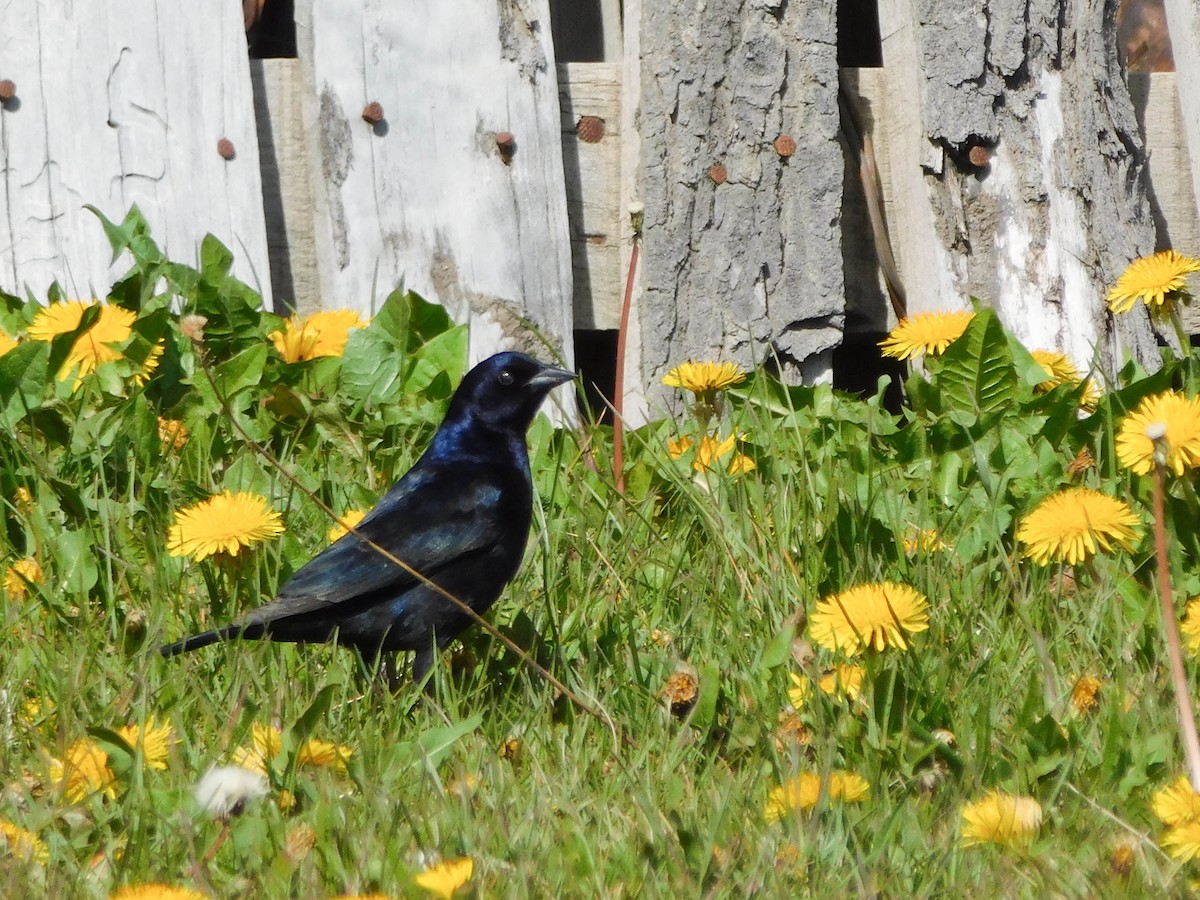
point(196, 641)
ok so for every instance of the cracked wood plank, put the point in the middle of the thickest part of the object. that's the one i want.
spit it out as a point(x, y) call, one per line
point(117, 104)
point(424, 197)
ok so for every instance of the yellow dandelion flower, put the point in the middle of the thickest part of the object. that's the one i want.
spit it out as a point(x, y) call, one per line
point(172, 434)
point(156, 891)
point(923, 540)
point(1177, 803)
point(1073, 524)
point(803, 792)
point(6, 342)
point(929, 333)
point(21, 844)
point(324, 755)
point(1084, 694)
point(321, 334)
point(704, 377)
point(153, 739)
point(870, 615)
point(843, 680)
point(1155, 280)
point(362, 897)
point(1191, 625)
point(150, 363)
point(1183, 841)
point(1000, 818)
point(99, 344)
point(23, 500)
point(223, 524)
point(333, 327)
point(20, 575)
point(266, 743)
point(84, 772)
point(676, 447)
point(711, 449)
point(1180, 415)
point(351, 517)
point(799, 691)
point(741, 464)
point(1060, 370)
point(444, 879)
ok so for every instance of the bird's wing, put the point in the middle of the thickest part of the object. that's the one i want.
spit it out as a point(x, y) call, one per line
point(431, 519)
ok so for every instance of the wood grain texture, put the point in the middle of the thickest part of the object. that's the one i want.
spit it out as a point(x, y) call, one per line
point(425, 197)
point(120, 104)
point(1044, 227)
point(592, 169)
point(748, 269)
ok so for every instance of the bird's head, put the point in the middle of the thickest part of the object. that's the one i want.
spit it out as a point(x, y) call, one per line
point(505, 391)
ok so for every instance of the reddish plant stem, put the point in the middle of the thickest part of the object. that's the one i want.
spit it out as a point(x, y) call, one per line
point(1183, 697)
point(619, 387)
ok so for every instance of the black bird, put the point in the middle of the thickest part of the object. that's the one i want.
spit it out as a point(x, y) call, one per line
point(460, 517)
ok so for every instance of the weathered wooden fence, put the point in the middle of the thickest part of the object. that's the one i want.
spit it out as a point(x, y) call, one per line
point(450, 149)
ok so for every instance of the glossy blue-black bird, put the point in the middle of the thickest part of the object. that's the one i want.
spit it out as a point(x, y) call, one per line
point(460, 516)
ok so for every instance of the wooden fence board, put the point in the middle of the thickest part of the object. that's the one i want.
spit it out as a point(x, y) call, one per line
point(121, 103)
point(425, 196)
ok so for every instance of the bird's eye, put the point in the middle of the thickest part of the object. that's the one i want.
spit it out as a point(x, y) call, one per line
point(505, 377)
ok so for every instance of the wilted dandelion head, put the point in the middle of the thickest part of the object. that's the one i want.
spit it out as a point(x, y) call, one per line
point(83, 772)
point(192, 328)
point(1156, 280)
point(1071, 525)
point(876, 615)
point(1001, 818)
point(446, 878)
point(1084, 694)
point(20, 575)
point(172, 434)
point(223, 524)
point(803, 792)
point(224, 791)
point(929, 333)
point(704, 378)
point(1120, 863)
point(1171, 415)
point(1177, 803)
point(19, 843)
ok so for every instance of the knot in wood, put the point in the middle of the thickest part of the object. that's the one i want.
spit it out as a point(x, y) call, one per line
point(717, 173)
point(590, 129)
point(979, 156)
point(8, 90)
point(226, 149)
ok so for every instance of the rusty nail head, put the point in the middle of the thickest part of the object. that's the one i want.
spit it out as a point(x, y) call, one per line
point(590, 129)
point(507, 145)
point(373, 113)
point(980, 156)
point(717, 173)
point(785, 145)
point(8, 90)
point(225, 148)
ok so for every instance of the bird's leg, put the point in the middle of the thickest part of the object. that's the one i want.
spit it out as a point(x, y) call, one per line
point(422, 663)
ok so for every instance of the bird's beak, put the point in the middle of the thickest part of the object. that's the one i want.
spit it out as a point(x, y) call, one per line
point(551, 376)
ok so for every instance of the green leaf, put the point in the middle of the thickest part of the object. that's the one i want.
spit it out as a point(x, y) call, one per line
point(76, 564)
point(439, 363)
point(776, 653)
point(307, 723)
point(705, 708)
point(436, 743)
point(977, 377)
point(24, 374)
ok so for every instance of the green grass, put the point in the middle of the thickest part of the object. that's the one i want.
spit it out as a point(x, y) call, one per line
point(713, 575)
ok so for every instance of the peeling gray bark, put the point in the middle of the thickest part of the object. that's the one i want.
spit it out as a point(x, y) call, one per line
point(1044, 228)
point(749, 268)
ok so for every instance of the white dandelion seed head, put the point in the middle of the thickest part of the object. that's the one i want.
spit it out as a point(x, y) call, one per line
point(224, 791)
